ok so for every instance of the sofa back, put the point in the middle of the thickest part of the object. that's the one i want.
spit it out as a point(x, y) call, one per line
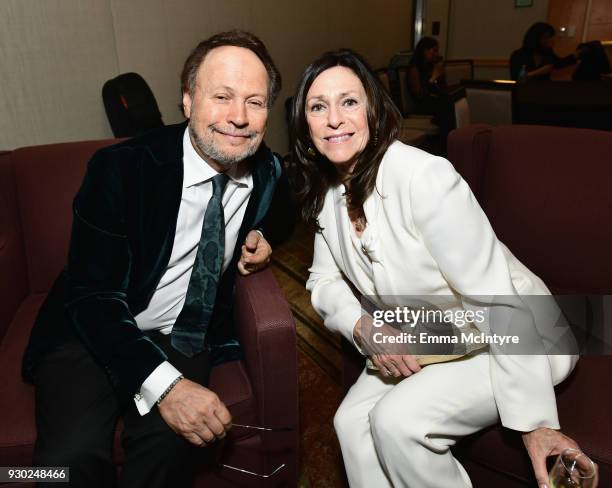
point(548, 194)
point(46, 179)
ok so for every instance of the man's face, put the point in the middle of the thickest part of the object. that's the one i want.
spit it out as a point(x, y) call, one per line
point(228, 107)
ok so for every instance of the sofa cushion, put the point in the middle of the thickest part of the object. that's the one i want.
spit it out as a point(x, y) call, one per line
point(537, 187)
point(229, 380)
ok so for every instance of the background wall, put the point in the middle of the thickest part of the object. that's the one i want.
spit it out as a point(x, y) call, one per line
point(490, 29)
point(57, 54)
point(581, 20)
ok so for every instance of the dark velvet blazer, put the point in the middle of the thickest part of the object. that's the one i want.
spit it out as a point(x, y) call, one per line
point(124, 223)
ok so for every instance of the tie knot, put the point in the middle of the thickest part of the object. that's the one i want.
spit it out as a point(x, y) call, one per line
point(219, 183)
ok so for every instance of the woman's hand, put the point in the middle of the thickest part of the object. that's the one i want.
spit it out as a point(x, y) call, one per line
point(389, 358)
point(437, 72)
point(544, 442)
point(396, 365)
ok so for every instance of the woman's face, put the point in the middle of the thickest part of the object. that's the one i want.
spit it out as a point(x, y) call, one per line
point(547, 41)
point(431, 54)
point(336, 113)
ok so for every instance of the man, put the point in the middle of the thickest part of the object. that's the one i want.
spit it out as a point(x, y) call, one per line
point(143, 309)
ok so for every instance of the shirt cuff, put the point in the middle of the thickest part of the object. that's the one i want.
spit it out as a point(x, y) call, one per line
point(153, 387)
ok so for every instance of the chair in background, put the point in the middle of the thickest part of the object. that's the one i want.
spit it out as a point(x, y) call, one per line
point(260, 390)
point(130, 105)
point(408, 134)
point(411, 120)
point(398, 85)
point(458, 70)
point(455, 97)
point(490, 101)
point(462, 114)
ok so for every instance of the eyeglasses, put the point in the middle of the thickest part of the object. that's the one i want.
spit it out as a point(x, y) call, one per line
point(221, 447)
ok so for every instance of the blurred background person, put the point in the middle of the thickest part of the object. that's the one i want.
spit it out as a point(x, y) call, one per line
point(593, 62)
point(535, 60)
point(426, 78)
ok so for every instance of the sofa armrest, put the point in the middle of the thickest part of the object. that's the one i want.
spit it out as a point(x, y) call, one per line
point(267, 334)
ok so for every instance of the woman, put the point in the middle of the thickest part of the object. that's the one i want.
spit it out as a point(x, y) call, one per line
point(426, 77)
point(393, 220)
point(535, 60)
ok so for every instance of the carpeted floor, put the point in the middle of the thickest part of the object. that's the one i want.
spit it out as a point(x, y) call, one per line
point(319, 368)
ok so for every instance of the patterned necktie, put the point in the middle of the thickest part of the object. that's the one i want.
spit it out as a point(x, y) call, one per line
point(190, 327)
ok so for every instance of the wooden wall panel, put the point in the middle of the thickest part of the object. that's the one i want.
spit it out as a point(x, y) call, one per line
point(569, 14)
point(600, 21)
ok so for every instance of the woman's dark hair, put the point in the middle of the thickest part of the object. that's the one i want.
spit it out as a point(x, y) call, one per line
point(312, 173)
point(594, 62)
point(533, 37)
point(236, 38)
point(418, 58)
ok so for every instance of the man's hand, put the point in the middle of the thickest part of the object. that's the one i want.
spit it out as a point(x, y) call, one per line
point(540, 444)
point(390, 359)
point(196, 413)
point(256, 254)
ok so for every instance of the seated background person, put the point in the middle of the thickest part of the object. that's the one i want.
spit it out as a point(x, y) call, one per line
point(426, 77)
point(593, 63)
point(537, 55)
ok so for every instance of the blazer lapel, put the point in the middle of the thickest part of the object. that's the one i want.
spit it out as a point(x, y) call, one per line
point(160, 196)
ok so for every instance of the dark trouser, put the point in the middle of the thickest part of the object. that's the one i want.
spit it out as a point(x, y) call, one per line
point(76, 414)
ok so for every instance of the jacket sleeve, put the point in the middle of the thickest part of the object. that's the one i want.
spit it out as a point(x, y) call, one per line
point(331, 296)
point(460, 239)
point(97, 274)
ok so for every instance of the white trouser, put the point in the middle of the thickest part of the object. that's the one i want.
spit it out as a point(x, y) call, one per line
point(399, 433)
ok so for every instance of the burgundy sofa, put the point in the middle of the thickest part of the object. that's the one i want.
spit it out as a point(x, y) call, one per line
point(37, 185)
point(548, 194)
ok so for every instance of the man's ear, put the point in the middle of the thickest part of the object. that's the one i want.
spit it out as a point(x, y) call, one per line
point(187, 105)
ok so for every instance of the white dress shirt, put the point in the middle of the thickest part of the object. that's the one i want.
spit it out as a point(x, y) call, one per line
point(169, 296)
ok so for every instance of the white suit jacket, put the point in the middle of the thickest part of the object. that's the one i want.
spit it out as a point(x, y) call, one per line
point(429, 236)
